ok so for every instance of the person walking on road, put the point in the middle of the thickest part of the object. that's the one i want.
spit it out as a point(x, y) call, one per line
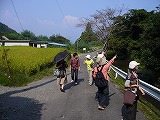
point(62, 78)
point(132, 83)
point(90, 63)
point(103, 91)
point(74, 67)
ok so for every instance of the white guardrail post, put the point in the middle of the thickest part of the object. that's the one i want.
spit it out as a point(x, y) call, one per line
point(148, 89)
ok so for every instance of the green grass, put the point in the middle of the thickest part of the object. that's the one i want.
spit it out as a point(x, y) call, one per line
point(149, 111)
point(26, 64)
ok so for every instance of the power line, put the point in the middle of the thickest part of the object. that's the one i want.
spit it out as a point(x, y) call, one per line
point(17, 15)
point(65, 18)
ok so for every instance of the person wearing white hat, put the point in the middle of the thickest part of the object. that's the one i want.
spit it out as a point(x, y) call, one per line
point(132, 83)
point(88, 57)
point(133, 64)
point(89, 63)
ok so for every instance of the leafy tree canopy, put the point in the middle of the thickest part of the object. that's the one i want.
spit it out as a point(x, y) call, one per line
point(59, 39)
point(29, 35)
point(137, 37)
point(88, 35)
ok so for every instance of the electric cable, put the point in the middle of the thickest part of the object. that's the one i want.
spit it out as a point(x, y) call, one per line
point(17, 15)
point(65, 18)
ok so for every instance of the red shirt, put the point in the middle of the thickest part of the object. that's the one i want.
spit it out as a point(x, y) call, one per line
point(75, 63)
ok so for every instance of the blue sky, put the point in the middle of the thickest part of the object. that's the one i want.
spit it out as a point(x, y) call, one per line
point(45, 17)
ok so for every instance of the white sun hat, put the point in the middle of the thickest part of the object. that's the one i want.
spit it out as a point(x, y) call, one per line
point(133, 64)
point(88, 56)
point(100, 55)
point(101, 59)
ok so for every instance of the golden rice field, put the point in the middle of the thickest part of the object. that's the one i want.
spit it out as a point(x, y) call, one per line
point(29, 59)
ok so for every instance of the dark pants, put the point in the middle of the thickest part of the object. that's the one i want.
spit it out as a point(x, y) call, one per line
point(74, 74)
point(103, 97)
point(131, 111)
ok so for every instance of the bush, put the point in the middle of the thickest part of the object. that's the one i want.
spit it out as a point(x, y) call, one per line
point(110, 54)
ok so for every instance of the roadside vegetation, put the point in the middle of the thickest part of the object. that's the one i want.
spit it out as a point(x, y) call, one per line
point(149, 111)
point(19, 64)
point(133, 34)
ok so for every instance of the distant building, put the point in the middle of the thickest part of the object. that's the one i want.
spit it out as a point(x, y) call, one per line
point(33, 43)
point(14, 42)
point(38, 44)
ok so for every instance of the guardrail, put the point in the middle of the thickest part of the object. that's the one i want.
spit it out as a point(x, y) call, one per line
point(148, 89)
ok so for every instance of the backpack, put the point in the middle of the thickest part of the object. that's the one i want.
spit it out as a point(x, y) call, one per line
point(100, 81)
point(132, 78)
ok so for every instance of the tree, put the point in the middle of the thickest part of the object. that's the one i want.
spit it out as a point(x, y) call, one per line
point(42, 38)
point(102, 23)
point(59, 39)
point(88, 35)
point(150, 43)
point(129, 28)
point(28, 35)
point(139, 37)
point(81, 44)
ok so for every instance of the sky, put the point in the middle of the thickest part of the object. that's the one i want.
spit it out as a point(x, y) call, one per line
point(52, 17)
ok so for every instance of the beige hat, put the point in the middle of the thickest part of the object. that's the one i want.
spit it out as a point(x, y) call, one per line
point(100, 55)
point(101, 59)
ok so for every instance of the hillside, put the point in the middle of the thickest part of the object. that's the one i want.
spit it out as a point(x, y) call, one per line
point(5, 29)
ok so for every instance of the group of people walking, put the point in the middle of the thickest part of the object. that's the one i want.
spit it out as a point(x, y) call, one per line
point(74, 68)
point(98, 74)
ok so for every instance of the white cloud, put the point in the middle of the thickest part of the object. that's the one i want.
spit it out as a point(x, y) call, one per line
point(70, 19)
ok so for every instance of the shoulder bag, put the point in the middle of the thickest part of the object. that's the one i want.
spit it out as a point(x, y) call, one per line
point(129, 97)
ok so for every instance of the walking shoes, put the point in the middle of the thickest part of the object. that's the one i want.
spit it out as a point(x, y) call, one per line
point(100, 107)
point(62, 90)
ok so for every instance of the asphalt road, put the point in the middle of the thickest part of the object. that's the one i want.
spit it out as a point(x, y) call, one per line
point(42, 100)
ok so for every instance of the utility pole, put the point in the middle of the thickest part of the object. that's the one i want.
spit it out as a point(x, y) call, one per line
point(77, 44)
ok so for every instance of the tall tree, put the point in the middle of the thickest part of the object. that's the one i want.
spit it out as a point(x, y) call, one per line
point(29, 35)
point(139, 32)
point(42, 38)
point(129, 28)
point(59, 39)
point(102, 23)
point(150, 42)
point(88, 35)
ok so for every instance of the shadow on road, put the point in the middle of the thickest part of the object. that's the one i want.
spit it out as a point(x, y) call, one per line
point(19, 108)
point(26, 89)
point(71, 84)
point(107, 98)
